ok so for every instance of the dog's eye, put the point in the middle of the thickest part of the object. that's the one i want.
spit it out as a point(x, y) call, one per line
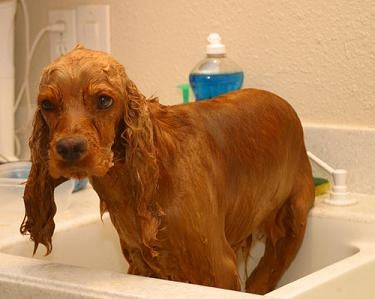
point(104, 102)
point(47, 105)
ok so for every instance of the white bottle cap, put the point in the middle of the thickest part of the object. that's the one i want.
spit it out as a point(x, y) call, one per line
point(214, 45)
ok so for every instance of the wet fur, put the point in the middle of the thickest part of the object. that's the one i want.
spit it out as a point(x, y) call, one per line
point(186, 186)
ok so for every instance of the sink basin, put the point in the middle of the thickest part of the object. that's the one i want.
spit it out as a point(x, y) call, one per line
point(357, 282)
point(337, 256)
point(75, 246)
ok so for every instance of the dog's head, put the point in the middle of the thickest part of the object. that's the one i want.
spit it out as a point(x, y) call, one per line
point(88, 113)
point(81, 103)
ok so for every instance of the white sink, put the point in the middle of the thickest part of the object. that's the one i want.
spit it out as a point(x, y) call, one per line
point(337, 257)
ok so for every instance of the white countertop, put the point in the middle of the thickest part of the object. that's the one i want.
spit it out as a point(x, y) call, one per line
point(362, 211)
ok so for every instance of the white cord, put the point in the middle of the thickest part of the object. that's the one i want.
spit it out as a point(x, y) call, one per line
point(22, 89)
point(27, 25)
point(25, 87)
point(58, 27)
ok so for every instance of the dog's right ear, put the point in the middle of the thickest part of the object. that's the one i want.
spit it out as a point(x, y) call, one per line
point(38, 197)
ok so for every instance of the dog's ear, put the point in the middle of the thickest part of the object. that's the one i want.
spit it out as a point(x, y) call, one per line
point(140, 156)
point(38, 197)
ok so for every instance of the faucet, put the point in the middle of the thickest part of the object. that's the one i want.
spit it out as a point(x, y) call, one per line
point(338, 195)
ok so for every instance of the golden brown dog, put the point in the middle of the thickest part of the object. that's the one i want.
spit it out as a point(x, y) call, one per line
point(186, 186)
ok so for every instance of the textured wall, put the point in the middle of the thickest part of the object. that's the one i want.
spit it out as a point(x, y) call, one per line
point(319, 55)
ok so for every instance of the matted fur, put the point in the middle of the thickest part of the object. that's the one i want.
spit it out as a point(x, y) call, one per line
point(186, 186)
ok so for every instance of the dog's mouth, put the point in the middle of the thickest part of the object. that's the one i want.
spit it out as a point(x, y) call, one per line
point(92, 164)
point(72, 172)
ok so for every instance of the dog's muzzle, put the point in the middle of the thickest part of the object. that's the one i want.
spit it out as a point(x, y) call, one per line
point(72, 148)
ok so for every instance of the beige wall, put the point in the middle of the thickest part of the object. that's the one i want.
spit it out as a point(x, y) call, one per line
point(319, 55)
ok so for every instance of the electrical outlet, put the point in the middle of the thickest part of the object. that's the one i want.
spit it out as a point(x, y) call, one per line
point(93, 27)
point(61, 43)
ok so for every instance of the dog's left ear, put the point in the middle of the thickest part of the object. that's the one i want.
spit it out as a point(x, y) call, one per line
point(140, 156)
point(38, 197)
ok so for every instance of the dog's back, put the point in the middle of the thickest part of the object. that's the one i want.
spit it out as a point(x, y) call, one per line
point(238, 165)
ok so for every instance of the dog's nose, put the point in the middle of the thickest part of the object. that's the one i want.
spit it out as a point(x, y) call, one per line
point(71, 148)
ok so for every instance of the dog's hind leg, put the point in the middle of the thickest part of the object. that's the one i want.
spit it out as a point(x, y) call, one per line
point(215, 266)
point(284, 237)
point(226, 272)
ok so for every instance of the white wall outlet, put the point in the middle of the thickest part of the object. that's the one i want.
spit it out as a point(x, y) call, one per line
point(61, 43)
point(93, 27)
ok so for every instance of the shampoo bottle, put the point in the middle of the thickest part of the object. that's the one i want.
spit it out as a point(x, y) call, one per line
point(216, 74)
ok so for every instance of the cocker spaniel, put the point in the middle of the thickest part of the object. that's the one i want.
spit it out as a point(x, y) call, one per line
point(186, 186)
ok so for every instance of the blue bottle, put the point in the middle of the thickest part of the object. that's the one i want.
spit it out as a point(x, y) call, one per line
point(216, 74)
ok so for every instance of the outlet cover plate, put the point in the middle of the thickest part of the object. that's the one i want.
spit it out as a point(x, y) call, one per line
point(93, 27)
point(61, 43)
